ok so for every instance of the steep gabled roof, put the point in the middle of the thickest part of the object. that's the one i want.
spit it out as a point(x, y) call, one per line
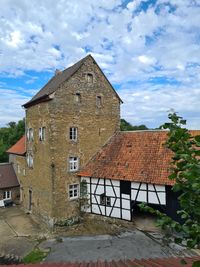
point(57, 80)
point(19, 148)
point(8, 177)
point(138, 156)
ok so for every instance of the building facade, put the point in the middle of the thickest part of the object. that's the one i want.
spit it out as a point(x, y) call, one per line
point(67, 122)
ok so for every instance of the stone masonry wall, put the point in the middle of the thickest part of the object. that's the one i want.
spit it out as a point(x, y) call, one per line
point(95, 126)
point(50, 178)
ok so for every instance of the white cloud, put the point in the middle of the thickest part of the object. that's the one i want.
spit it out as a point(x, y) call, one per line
point(131, 44)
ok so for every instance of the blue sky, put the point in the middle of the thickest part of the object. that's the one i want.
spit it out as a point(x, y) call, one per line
point(148, 49)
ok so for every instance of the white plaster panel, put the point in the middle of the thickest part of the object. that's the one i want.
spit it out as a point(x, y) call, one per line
point(153, 198)
point(150, 187)
point(95, 209)
point(109, 191)
point(94, 199)
point(126, 214)
point(100, 189)
point(117, 203)
point(93, 187)
point(115, 182)
point(162, 197)
point(94, 180)
point(102, 208)
point(126, 196)
point(108, 182)
point(133, 194)
point(160, 188)
point(108, 210)
point(135, 185)
point(143, 186)
point(142, 196)
point(126, 203)
point(115, 213)
point(101, 181)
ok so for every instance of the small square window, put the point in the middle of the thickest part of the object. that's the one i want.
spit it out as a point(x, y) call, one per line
point(99, 101)
point(42, 131)
point(73, 164)
point(73, 191)
point(73, 134)
point(89, 77)
point(105, 200)
point(77, 98)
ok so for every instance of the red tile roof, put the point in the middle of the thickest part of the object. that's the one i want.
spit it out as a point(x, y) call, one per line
point(157, 262)
point(8, 177)
point(19, 148)
point(138, 156)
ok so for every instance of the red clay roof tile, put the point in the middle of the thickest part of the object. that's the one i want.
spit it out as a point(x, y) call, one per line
point(19, 148)
point(138, 156)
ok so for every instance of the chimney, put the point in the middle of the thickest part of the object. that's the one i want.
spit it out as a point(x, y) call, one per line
point(57, 72)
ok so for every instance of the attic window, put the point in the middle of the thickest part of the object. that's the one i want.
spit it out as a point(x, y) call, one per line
point(89, 77)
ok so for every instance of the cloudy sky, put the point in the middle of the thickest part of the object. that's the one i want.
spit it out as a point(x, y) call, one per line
point(149, 50)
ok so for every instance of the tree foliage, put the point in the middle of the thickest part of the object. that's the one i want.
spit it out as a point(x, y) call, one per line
point(126, 126)
point(185, 171)
point(9, 136)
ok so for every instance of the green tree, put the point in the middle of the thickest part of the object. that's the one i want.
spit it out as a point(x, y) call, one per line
point(185, 171)
point(9, 136)
point(126, 126)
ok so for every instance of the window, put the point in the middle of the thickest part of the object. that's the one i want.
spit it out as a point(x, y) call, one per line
point(104, 200)
point(89, 77)
point(99, 101)
point(24, 171)
point(7, 195)
point(30, 134)
point(18, 168)
point(77, 98)
point(73, 191)
point(29, 159)
point(73, 134)
point(42, 133)
point(73, 164)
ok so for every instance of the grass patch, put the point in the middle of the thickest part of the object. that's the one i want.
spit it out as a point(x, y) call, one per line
point(35, 256)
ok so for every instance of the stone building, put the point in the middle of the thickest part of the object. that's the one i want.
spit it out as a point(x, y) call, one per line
point(67, 122)
point(9, 185)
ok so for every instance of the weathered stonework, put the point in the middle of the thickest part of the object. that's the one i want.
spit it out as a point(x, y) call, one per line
point(49, 179)
point(15, 193)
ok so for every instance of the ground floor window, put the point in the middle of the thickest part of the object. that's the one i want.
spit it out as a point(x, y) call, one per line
point(7, 195)
point(105, 200)
point(73, 191)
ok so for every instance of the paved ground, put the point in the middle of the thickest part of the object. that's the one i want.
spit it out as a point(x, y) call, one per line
point(18, 231)
point(19, 235)
point(129, 245)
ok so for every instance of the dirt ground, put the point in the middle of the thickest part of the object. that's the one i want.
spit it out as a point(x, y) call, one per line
point(98, 225)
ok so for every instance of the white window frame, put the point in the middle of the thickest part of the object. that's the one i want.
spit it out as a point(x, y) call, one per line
point(8, 195)
point(42, 131)
point(73, 164)
point(29, 160)
point(30, 134)
point(73, 133)
point(73, 191)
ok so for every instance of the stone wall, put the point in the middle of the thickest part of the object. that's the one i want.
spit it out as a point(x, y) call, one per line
point(50, 177)
point(15, 193)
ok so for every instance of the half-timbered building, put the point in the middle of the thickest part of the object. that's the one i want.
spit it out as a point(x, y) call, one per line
point(133, 167)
